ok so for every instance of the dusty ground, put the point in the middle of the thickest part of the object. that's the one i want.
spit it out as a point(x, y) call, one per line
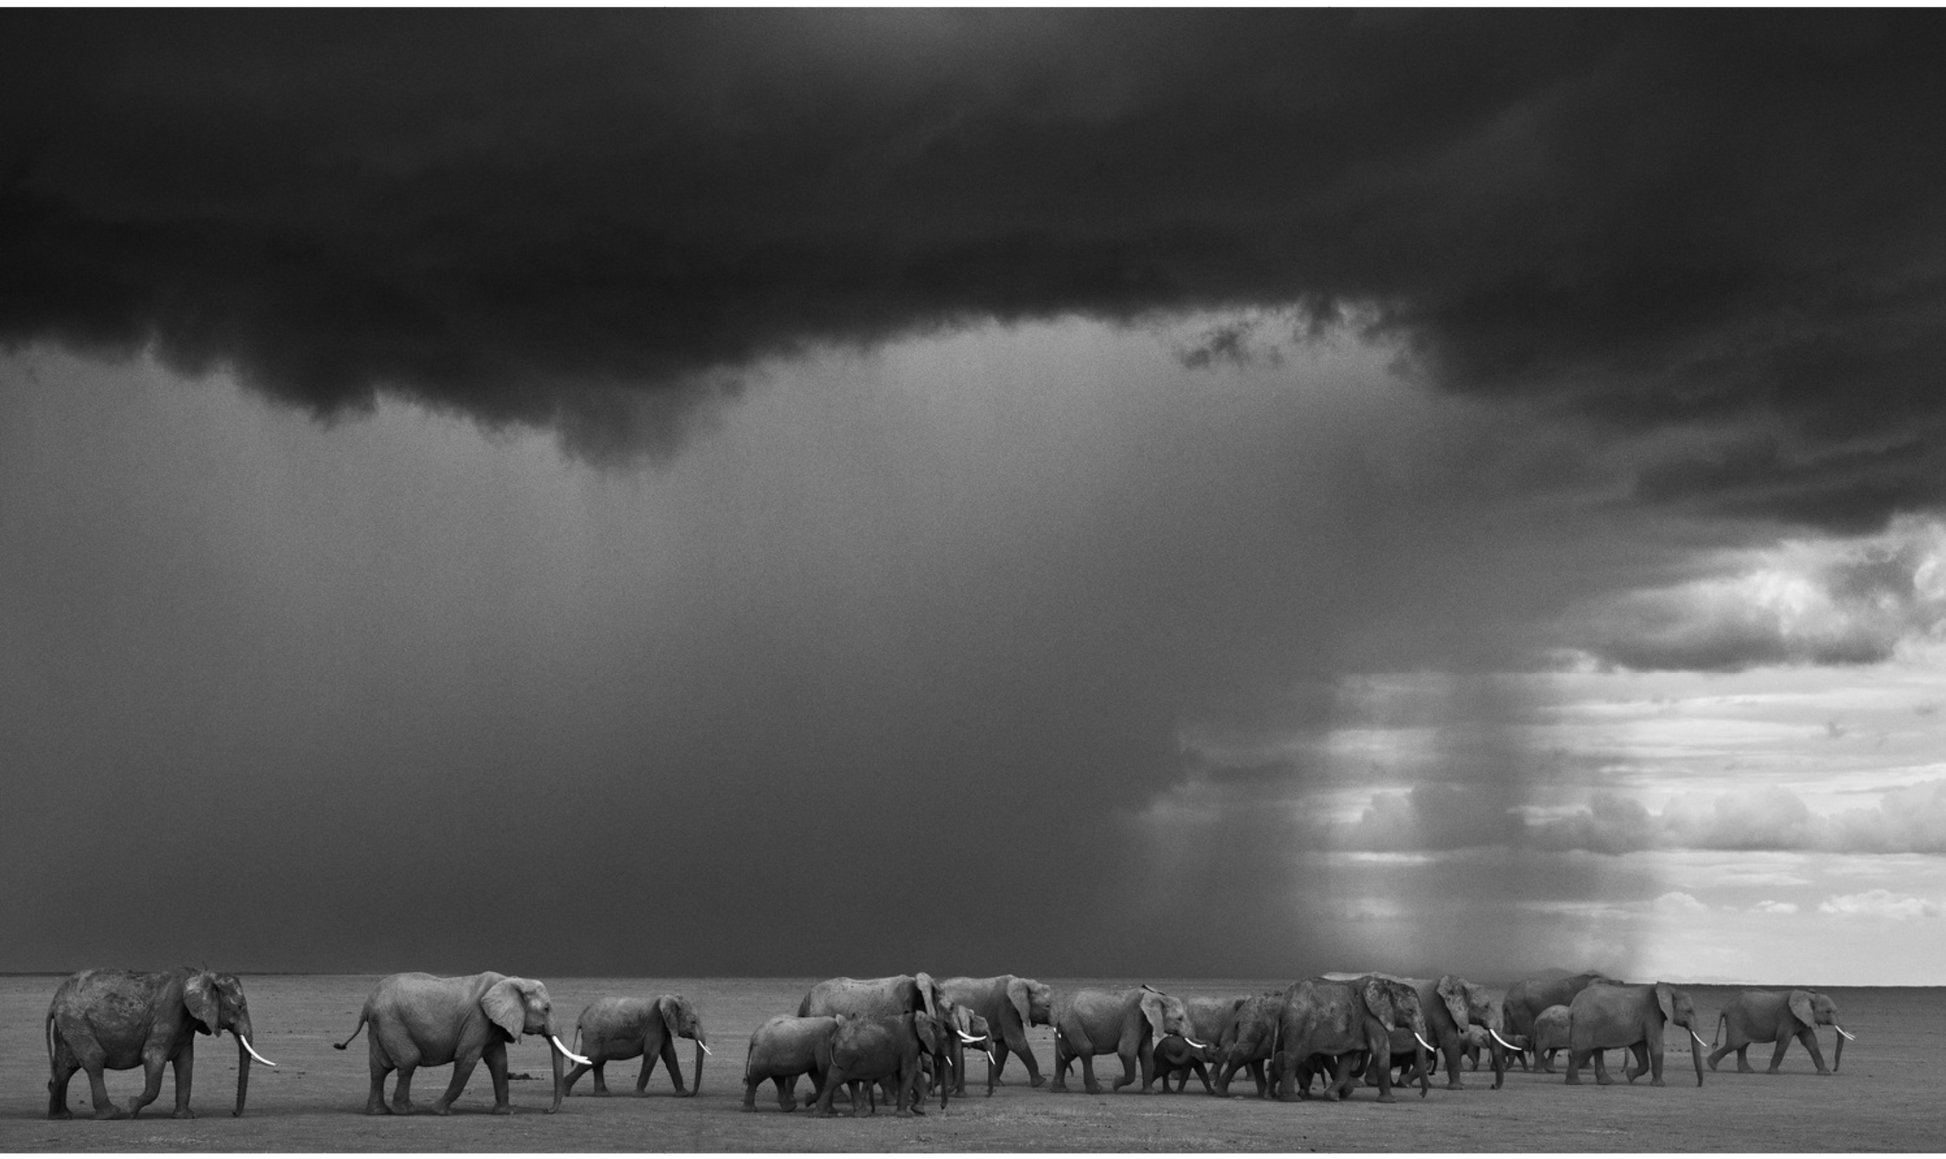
point(1886, 1098)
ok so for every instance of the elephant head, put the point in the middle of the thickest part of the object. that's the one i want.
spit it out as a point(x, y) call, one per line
point(1396, 1005)
point(1815, 1009)
point(935, 1036)
point(521, 1006)
point(682, 1021)
point(1677, 1008)
point(1166, 1015)
point(216, 1002)
point(1033, 1001)
point(930, 997)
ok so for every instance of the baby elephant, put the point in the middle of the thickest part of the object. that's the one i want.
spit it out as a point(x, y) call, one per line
point(867, 1050)
point(783, 1048)
point(1176, 1055)
point(613, 1029)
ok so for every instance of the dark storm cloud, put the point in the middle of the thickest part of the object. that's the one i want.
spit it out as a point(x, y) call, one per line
point(1648, 217)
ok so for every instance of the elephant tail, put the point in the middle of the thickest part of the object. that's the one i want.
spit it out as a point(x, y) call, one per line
point(50, 1041)
point(1721, 1020)
point(363, 1016)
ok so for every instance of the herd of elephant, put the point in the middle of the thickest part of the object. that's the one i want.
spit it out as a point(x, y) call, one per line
point(906, 1036)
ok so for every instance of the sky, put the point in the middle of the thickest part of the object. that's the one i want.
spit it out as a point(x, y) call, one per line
point(1135, 494)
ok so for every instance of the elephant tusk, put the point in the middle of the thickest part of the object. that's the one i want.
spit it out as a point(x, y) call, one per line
point(1502, 1041)
point(1699, 1041)
point(1194, 1043)
point(705, 1046)
point(1849, 1037)
point(253, 1052)
point(969, 1039)
point(1430, 1048)
point(568, 1054)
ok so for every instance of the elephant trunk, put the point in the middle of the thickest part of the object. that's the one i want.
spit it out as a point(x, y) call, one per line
point(1696, 1053)
point(242, 1037)
point(1838, 1051)
point(701, 1050)
point(557, 1055)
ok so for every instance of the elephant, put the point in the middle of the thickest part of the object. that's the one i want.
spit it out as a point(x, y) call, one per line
point(1633, 1017)
point(970, 1029)
point(1127, 1023)
point(420, 1020)
point(1476, 1042)
point(1767, 1016)
point(1011, 1006)
point(1322, 1016)
point(872, 997)
point(1249, 1039)
point(1551, 1030)
point(1175, 1056)
point(613, 1029)
point(1452, 1006)
point(870, 1050)
point(120, 1019)
point(783, 1048)
point(1526, 999)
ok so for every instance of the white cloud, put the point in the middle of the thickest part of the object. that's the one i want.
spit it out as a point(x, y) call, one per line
point(1826, 601)
point(1676, 901)
point(1880, 903)
point(1911, 819)
point(1774, 907)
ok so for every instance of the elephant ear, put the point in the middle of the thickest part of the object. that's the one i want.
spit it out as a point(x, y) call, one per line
point(1022, 1002)
point(1152, 1009)
point(199, 996)
point(1666, 998)
point(928, 992)
point(1452, 992)
point(505, 1008)
point(1801, 1007)
point(1379, 1001)
point(670, 1007)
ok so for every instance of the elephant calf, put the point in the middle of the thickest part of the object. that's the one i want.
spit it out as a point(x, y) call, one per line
point(1176, 1056)
point(783, 1048)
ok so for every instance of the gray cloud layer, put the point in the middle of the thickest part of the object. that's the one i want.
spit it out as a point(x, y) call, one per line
point(1646, 218)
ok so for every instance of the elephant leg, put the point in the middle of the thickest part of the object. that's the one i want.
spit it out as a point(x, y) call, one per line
point(1602, 1077)
point(1809, 1038)
point(402, 1091)
point(1018, 1044)
point(1743, 1060)
point(98, 1093)
point(1451, 1049)
point(151, 1083)
point(185, 1069)
point(462, 1071)
point(785, 1098)
point(575, 1071)
point(669, 1063)
point(1257, 1076)
point(1655, 1061)
point(1088, 1082)
point(1639, 1064)
point(1202, 1073)
point(600, 1069)
point(63, 1068)
point(1777, 1055)
point(1716, 1056)
point(496, 1064)
point(1134, 1066)
point(1576, 1060)
point(750, 1085)
point(375, 1101)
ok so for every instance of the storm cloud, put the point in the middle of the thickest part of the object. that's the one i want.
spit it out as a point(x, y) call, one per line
point(598, 222)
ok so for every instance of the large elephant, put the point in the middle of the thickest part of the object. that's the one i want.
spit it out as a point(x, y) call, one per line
point(1346, 1019)
point(613, 1029)
point(1121, 1022)
point(1249, 1040)
point(872, 997)
point(118, 1020)
point(1010, 1005)
point(1631, 1017)
point(1767, 1016)
point(1452, 1006)
point(783, 1048)
point(1526, 999)
point(420, 1020)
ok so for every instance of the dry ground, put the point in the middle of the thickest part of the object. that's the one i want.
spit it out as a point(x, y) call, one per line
point(1886, 1098)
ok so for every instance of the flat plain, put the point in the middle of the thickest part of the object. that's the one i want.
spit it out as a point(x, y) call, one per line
point(1887, 1095)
